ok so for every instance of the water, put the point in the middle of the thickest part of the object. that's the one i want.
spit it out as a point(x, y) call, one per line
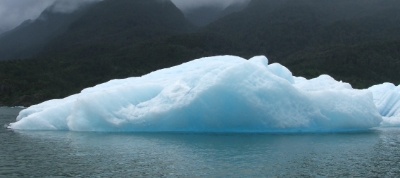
point(373, 153)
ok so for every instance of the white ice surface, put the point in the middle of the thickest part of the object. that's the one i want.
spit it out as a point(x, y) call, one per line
point(215, 94)
point(387, 100)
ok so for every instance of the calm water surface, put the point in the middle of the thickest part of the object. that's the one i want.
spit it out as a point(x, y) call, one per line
point(81, 154)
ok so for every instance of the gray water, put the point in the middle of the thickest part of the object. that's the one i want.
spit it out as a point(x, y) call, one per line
point(374, 153)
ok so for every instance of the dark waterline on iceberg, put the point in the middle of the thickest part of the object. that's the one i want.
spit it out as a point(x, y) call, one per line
point(83, 154)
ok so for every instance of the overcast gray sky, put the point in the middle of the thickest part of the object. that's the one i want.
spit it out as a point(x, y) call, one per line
point(14, 12)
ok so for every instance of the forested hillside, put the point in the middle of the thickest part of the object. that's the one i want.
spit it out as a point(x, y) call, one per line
point(355, 41)
point(32, 36)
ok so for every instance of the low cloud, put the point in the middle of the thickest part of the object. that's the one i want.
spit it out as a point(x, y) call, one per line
point(186, 5)
point(14, 12)
point(68, 6)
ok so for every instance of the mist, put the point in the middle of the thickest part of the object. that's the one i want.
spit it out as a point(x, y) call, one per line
point(187, 5)
point(14, 12)
point(68, 6)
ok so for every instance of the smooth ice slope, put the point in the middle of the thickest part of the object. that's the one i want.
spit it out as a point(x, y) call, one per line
point(214, 94)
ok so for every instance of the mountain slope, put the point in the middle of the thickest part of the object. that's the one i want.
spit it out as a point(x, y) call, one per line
point(206, 14)
point(112, 39)
point(32, 36)
point(362, 65)
point(103, 25)
point(111, 25)
point(280, 28)
point(355, 41)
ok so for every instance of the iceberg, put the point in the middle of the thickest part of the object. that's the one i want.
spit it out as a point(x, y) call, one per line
point(217, 94)
point(387, 100)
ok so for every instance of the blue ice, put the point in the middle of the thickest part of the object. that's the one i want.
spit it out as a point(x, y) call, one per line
point(218, 94)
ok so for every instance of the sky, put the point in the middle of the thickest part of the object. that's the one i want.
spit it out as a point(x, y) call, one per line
point(14, 12)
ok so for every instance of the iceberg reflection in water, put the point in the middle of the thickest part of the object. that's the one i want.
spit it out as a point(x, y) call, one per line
point(373, 153)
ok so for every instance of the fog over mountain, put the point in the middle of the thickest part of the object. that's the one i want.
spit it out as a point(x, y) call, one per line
point(14, 12)
point(186, 5)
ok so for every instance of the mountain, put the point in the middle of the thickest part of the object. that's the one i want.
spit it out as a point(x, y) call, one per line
point(355, 41)
point(313, 37)
point(280, 28)
point(32, 36)
point(362, 65)
point(206, 14)
point(105, 24)
point(112, 25)
point(110, 39)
